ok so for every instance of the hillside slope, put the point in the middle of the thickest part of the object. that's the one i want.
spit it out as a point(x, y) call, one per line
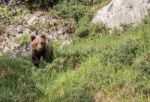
point(97, 66)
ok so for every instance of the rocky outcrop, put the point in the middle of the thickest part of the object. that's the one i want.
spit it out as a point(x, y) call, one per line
point(42, 22)
point(119, 12)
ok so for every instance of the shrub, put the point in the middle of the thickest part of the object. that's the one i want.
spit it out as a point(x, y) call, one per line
point(2, 29)
point(85, 28)
point(71, 10)
point(143, 63)
point(89, 2)
point(44, 4)
point(79, 10)
point(23, 39)
point(126, 53)
point(82, 28)
point(39, 26)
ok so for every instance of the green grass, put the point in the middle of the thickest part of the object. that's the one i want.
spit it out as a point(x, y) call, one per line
point(117, 66)
point(24, 38)
point(12, 15)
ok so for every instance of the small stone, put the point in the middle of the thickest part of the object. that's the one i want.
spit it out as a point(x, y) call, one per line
point(32, 20)
point(6, 49)
point(19, 29)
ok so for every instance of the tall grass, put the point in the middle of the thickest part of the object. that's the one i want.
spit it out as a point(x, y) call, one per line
point(117, 66)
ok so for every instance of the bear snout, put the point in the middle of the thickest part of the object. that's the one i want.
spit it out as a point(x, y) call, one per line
point(40, 49)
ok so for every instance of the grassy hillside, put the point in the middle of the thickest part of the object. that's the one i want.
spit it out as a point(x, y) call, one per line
point(110, 67)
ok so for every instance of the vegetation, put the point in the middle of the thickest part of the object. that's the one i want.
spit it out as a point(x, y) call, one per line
point(12, 17)
point(24, 38)
point(116, 65)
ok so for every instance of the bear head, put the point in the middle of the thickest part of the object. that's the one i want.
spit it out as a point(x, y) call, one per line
point(38, 42)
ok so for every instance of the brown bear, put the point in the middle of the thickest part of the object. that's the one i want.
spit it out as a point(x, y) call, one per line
point(41, 49)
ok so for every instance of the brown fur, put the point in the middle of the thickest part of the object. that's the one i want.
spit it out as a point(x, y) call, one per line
point(41, 50)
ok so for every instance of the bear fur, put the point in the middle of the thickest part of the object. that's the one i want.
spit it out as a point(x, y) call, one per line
point(41, 49)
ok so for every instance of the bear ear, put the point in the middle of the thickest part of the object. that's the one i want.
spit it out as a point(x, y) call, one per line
point(32, 37)
point(43, 36)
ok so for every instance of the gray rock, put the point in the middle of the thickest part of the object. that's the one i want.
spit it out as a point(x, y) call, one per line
point(119, 12)
point(6, 49)
point(8, 42)
point(44, 19)
point(19, 29)
point(33, 18)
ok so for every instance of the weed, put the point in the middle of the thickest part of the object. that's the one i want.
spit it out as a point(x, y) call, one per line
point(38, 26)
point(24, 38)
point(71, 10)
point(126, 53)
point(16, 84)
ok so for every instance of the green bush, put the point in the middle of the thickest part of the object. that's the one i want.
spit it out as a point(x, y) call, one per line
point(2, 29)
point(50, 3)
point(143, 63)
point(79, 10)
point(85, 28)
point(126, 53)
point(45, 4)
point(25, 38)
point(38, 26)
point(71, 10)
point(89, 2)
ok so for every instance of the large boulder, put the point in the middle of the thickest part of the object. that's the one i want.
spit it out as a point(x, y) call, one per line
point(119, 12)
